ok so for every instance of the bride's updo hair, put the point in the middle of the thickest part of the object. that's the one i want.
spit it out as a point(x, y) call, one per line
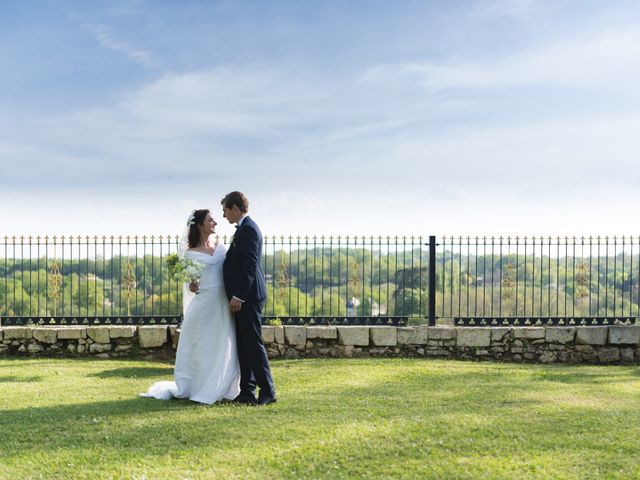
point(196, 220)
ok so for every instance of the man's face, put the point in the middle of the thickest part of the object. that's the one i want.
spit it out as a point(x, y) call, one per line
point(232, 214)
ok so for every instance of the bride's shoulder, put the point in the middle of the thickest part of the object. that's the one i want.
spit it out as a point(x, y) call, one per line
point(192, 253)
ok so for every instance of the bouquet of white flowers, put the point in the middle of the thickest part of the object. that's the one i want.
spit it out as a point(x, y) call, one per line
point(184, 269)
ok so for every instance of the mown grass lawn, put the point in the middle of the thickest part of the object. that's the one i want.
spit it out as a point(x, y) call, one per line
point(365, 418)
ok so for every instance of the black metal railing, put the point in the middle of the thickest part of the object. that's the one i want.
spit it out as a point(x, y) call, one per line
point(82, 279)
point(348, 280)
point(93, 280)
point(335, 280)
point(539, 280)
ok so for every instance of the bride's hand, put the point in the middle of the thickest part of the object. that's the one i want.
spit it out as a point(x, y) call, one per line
point(193, 287)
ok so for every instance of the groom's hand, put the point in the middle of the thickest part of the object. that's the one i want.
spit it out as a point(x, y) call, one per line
point(235, 305)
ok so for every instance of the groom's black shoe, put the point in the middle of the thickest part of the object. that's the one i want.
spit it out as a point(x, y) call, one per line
point(245, 398)
point(267, 400)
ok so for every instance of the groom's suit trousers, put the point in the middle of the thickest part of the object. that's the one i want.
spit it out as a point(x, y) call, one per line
point(252, 354)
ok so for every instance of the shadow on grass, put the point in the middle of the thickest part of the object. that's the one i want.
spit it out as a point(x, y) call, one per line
point(14, 378)
point(584, 374)
point(431, 415)
point(134, 372)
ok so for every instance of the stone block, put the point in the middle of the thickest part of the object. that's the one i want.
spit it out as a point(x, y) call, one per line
point(584, 348)
point(422, 335)
point(174, 333)
point(498, 333)
point(1, 333)
point(100, 347)
point(406, 335)
point(592, 335)
point(547, 357)
point(278, 333)
point(295, 335)
point(152, 336)
point(325, 333)
point(268, 335)
point(560, 334)
point(441, 333)
point(624, 334)
point(383, 336)
point(126, 331)
point(16, 333)
point(45, 335)
point(438, 352)
point(34, 348)
point(529, 333)
point(473, 337)
point(353, 335)
point(608, 355)
point(626, 355)
point(99, 334)
point(70, 333)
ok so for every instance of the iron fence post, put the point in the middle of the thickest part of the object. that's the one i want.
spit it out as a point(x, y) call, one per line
point(432, 280)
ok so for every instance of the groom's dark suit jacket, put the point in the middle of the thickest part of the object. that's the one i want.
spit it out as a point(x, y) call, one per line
point(242, 270)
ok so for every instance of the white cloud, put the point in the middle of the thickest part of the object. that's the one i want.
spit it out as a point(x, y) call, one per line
point(607, 60)
point(332, 154)
point(108, 40)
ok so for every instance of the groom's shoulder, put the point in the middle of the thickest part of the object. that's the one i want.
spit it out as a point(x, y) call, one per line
point(253, 226)
point(250, 222)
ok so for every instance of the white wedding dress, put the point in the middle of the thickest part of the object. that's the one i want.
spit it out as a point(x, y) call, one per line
point(207, 368)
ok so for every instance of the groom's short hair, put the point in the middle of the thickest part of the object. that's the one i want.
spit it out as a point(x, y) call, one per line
point(236, 198)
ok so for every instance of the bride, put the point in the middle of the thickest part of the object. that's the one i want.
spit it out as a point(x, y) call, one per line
point(206, 368)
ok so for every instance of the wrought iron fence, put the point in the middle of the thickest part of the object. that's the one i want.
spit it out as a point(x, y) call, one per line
point(82, 279)
point(347, 280)
point(539, 280)
point(124, 280)
point(339, 280)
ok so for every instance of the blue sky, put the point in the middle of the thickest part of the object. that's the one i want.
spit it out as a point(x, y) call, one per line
point(334, 117)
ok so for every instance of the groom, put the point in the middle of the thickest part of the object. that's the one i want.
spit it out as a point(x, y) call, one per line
point(247, 292)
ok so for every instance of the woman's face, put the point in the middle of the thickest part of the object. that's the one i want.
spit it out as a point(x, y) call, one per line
point(208, 225)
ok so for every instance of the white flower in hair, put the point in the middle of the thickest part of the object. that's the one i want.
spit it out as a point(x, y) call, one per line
point(192, 218)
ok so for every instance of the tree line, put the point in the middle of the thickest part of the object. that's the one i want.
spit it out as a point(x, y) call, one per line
point(336, 282)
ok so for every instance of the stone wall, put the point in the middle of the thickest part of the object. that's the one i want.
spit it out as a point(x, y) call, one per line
point(602, 344)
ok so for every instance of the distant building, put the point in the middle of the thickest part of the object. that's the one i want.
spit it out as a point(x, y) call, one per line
point(378, 310)
point(352, 306)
